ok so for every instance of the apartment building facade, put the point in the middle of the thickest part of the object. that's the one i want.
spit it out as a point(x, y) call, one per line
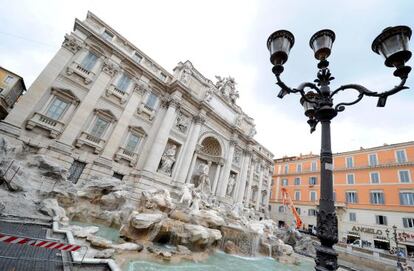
point(11, 87)
point(373, 190)
point(102, 107)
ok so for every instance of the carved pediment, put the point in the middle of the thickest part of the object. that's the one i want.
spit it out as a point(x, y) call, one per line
point(138, 130)
point(65, 93)
point(106, 113)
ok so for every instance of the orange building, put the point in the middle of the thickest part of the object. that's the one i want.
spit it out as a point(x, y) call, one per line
point(373, 189)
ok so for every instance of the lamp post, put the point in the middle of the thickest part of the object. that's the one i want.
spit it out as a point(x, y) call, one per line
point(394, 229)
point(317, 100)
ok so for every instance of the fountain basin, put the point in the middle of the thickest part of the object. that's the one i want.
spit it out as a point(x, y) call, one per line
point(222, 261)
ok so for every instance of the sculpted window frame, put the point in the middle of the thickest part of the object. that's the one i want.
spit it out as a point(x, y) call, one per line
point(149, 111)
point(97, 142)
point(131, 156)
point(54, 126)
point(76, 66)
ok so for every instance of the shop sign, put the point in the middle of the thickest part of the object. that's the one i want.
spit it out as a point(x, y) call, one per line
point(404, 236)
point(367, 230)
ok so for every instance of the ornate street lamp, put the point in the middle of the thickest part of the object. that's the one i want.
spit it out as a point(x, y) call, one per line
point(319, 106)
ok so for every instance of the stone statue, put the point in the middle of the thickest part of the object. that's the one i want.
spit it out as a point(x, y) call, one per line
point(168, 159)
point(203, 180)
point(209, 94)
point(227, 88)
point(252, 132)
point(231, 184)
point(182, 122)
point(195, 204)
point(186, 196)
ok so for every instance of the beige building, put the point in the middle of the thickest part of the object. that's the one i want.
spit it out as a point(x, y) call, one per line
point(373, 191)
point(102, 107)
point(11, 87)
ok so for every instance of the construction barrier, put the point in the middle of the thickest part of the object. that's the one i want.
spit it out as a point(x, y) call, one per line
point(38, 243)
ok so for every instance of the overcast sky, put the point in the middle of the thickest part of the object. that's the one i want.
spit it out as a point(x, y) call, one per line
point(229, 38)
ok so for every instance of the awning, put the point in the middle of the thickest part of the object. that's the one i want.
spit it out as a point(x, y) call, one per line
point(353, 235)
point(381, 240)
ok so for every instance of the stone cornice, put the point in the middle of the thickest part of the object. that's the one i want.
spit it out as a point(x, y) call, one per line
point(72, 44)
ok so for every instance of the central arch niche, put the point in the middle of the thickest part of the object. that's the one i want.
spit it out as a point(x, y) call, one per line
point(210, 146)
point(209, 153)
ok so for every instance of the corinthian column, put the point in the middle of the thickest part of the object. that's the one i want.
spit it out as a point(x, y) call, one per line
point(191, 146)
point(161, 138)
point(243, 179)
point(226, 170)
point(249, 186)
point(259, 196)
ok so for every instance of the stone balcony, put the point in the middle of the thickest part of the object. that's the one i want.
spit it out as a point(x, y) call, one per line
point(82, 72)
point(143, 108)
point(96, 143)
point(121, 95)
point(127, 155)
point(54, 127)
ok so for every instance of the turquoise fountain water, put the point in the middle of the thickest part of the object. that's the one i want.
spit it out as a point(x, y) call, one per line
point(222, 262)
point(104, 231)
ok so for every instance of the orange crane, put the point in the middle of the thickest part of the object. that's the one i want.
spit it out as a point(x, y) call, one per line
point(286, 200)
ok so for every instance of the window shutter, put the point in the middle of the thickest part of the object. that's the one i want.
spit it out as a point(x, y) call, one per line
point(385, 220)
point(377, 219)
point(405, 222)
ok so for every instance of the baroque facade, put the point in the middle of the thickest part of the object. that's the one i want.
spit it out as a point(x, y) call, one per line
point(373, 191)
point(102, 107)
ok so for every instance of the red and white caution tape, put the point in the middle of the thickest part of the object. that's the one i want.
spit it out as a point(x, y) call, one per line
point(38, 243)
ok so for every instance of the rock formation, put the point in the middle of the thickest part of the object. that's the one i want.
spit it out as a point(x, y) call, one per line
point(36, 186)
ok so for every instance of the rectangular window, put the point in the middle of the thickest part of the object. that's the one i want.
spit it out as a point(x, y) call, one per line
point(286, 169)
point(401, 157)
point(404, 176)
point(151, 101)
point(299, 168)
point(123, 82)
point(118, 176)
point(373, 160)
point(107, 35)
point(137, 57)
point(297, 181)
point(297, 195)
point(312, 180)
point(350, 179)
point(349, 162)
point(99, 127)
point(377, 197)
point(313, 195)
point(312, 212)
point(56, 109)
point(163, 77)
point(75, 171)
point(281, 209)
point(374, 176)
point(297, 210)
point(8, 79)
point(133, 141)
point(407, 198)
point(285, 182)
point(352, 217)
point(408, 222)
point(89, 61)
point(351, 197)
point(314, 166)
point(381, 220)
